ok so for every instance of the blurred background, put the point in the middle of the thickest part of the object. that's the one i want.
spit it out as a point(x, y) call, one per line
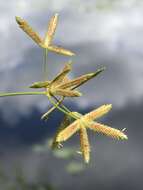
point(102, 33)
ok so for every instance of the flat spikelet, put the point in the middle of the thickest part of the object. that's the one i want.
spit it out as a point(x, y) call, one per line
point(90, 76)
point(51, 30)
point(80, 80)
point(84, 144)
point(75, 81)
point(108, 131)
point(65, 93)
point(86, 121)
point(56, 81)
point(66, 79)
point(60, 50)
point(41, 84)
point(66, 133)
point(95, 114)
point(28, 30)
point(65, 122)
point(61, 76)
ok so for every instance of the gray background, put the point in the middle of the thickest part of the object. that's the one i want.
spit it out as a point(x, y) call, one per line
point(101, 33)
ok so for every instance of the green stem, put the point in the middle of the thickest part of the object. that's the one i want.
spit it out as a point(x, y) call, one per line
point(45, 63)
point(45, 115)
point(66, 109)
point(61, 104)
point(21, 93)
point(59, 108)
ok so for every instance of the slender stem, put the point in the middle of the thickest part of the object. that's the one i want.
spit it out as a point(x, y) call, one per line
point(45, 115)
point(21, 93)
point(59, 108)
point(65, 108)
point(61, 104)
point(45, 63)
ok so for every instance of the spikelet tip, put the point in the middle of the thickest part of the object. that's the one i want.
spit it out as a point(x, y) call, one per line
point(18, 19)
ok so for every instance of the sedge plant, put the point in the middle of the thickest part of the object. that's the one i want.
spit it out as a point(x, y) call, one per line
point(61, 87)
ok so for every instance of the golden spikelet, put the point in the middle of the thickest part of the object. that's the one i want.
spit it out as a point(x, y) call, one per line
point(95, 114)
point(66, 133)
point(57, 80)
point(68, 66)
point(81, 80)
point(60, 50)
point(66, 79)
point(28, 30)
point(51, 30)
point(86, 121)
point(46, 43)
point(75, 81)
point(60, 77)
point(41, 84)
point(65, 93)
point(108, 131)
point(84, 144)
point(91, 75)
point(65, 122)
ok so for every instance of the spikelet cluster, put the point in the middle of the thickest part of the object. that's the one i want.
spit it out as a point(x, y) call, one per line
point(87, 121)
point(62, 86)
point(47, 41)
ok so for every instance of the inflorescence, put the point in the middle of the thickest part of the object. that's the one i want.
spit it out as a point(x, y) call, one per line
point(62, 87)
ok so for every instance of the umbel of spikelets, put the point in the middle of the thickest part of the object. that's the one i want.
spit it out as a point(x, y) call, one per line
point(83, 122)
point(45, 42)
point(62, 86)
point(53, 87)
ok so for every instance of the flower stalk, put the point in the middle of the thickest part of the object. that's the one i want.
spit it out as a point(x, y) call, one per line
point(21, 93)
